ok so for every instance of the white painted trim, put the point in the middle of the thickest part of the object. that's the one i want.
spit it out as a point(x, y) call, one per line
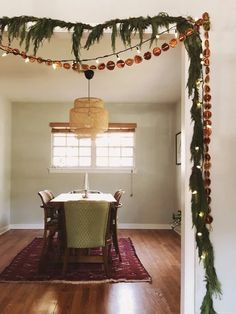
point(91, 170)
point(188, 279)
point(4, 229)
point(120, 226)
point(144, 226)
point(26, 226)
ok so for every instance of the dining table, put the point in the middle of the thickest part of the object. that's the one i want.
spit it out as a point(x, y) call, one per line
point(57, 203)
point(79, 196)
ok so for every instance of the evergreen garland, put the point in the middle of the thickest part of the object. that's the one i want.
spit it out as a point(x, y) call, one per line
point(41, 29)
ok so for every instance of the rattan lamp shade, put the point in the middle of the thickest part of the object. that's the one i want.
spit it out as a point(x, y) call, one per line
point(88, 117)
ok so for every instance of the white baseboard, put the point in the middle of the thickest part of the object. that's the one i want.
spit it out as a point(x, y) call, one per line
point(120, 226)
point(144, 226)
point(4, 229)
point(26, 226)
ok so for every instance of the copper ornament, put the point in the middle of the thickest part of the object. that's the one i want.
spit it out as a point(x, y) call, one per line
point(207, 79)
point(75, 66)
point(207, 89)
point(199, 22)
point(207, 157)
point(66, 66)
point(101, 66)
point(84, 67)
point(129, 61)
point(209, 219)
point(32, 59)
point(23, 54)
point(182, 37)
point(120, 64)
point(189, 32)
point(207, 122)
point(208, 200)
point(207, 140)
point(206, 43)
point(207, 106)
point(92, 67)
point(207, 165)
point(173, 42)
point(147, 55)
point(39, 60)
point(16, 51)
point(207, 131)
point(48, 62)
point(207, 97)
point(205, 16)
point(206, 52)
point(165, 47)
point(206, 35)
point(138, 59)
point(206, 62)
point(207, 70)
point(156, 51)
point(206, 173)
point(207, 182)
point(110, 65)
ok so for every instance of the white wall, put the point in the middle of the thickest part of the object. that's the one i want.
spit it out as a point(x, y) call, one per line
point(5, 164)
point(223, 64)
point(153, 185)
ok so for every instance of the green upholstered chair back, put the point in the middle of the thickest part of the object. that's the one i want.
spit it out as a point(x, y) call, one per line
point(86, 223)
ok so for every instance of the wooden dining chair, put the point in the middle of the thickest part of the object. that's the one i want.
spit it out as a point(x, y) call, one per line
point(50, 193)
point(114, 209)
point(50, 220)
point(87, 226)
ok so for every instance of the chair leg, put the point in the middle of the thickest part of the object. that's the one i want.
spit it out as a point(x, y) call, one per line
point(115, 241)
point(44, 251)
point(105, 259)
point(65, 263)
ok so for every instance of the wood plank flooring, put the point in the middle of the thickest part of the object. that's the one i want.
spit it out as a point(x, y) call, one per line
point(159, 251)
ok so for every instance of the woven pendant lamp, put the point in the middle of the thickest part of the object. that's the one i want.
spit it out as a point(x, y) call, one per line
point(88, 117)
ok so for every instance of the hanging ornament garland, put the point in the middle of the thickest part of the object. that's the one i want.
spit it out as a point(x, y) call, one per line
point(198, 86)
point(81, 66)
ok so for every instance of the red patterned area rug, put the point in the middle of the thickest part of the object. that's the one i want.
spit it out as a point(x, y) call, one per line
point(24, 267)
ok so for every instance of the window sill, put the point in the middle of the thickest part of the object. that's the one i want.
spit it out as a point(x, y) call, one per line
point(88, 170)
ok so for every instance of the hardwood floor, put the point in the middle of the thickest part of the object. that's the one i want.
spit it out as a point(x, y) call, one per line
point(159, 251)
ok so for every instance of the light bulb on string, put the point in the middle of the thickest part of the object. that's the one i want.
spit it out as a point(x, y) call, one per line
point(199, 234)
point(201, 214)
point(197, 148)
point(157, 36)
point(118, 58)
point(138, 50)
point(27, 60)
point(194, 192)
point(176, 33)
point(54, 66)
point(5, 54)
point(97, 61)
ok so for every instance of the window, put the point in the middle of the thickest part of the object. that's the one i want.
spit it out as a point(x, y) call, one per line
point(114, 149)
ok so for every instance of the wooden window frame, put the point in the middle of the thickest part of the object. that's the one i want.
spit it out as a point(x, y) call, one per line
point(63, 127)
